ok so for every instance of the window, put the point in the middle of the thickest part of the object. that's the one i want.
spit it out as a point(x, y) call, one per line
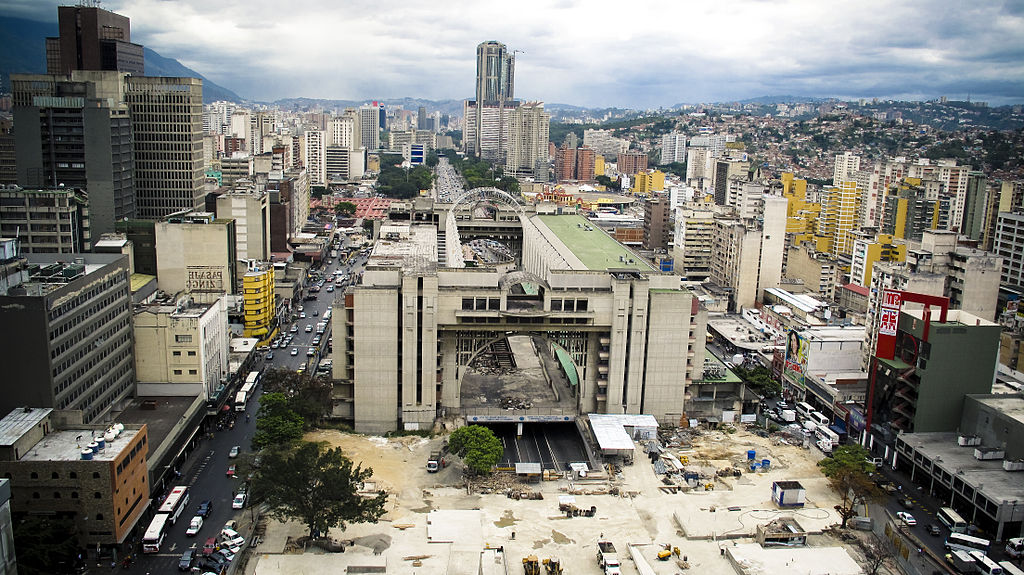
point(176, 353)
point(95, 474)
point(556, 305)
point(73, 475)
point(177, 372)
point(34, 475)
point(581, 305)
point(97, 495)
point(56, 494)
point(99, 517)
point(183, 339)
point(54, 475)
point(35, 495)
point(74, 495)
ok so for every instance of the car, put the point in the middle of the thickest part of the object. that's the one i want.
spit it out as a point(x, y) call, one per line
point(270, 356)
point(194, 526)
point(227, 554)
point(231, 470)
point(234, 451)
point(295, 351)
point(906, 518)
point(294, 329)
point(213, 563)
point(905, 502)
point(316, 340)
point(188, 558)
point(782, 405)
point(933, 529)
point(301, 308)
point(276, 344)
point(315, 313)
point(204, 508)
point(302, 315)
point(309, 328)
point(210, 546)
point(239, 502)
point(330, 289)
point(310, 352)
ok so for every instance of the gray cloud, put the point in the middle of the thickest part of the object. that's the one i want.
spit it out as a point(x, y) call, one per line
point(655, 53)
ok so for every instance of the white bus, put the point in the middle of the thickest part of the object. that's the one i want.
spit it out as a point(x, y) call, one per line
point(155, 533)
point(952, 520)
point(967, 543)
point(983, 564)
point(804, 409)
point(240, 399)
point(1010, 568)
point(251, 381)
point(824, 433)
point(175, 503)
point(819, 418)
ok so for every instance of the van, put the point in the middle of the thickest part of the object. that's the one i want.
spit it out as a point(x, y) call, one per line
point(819, 418)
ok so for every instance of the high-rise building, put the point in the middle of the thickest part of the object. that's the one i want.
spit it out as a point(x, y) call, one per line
point(910, 210)
point(1009, 243)
point(565, 164)
point(51, 221)
point(67, 320)
point(92, 39)
point(657, 225)
point(846, 167)
point(726, 168)
point(975, 203)
point(259, 301)
point(838, 218)
point(167, 124)
point(673, 148)
point(746, 254)
point(314, 157)
point(249, 206)
point(75, 131)
point(495, 73)
point(369, 126)
point(867, 251)
point(196, 252)
point(630, 163)
point(289, 207)
point(695, 223)
point(527, 151)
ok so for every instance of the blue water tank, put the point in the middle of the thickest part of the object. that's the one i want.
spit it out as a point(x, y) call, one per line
point(752, 454)
point(766, 464)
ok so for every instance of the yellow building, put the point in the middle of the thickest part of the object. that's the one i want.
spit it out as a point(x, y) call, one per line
point(801, 215)
point(646, 183)
point(910, 210)
point(598, 165)
point(838, 218)
point(258, 294)
point(883, 248)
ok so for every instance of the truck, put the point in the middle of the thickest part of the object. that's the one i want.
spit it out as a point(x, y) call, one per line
point(962, 561)
point(1015, 547)
point(607, 558)
point(788, 415)
point(436, 462)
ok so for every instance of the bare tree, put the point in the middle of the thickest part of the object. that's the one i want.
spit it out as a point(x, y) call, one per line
point(877, 553)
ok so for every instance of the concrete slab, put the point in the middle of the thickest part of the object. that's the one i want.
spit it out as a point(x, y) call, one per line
point(461, 528)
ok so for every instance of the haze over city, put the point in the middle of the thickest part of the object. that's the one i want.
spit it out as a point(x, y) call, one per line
point(637, 55)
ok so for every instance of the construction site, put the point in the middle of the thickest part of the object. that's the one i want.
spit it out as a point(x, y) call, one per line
point(729, 500)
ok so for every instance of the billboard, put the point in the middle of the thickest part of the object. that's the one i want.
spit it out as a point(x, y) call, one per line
point(796, 358)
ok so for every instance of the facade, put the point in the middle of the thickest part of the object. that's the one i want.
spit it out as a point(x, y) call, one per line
point(250, 208)
point(8, 560)
point(54, 221)
point(104, 492)
point(910, 210)
point(196, 252)
point(181, 347)
point(976, 201)
point(405, 335)
point(838, 218)
point(259, 302)
point(724, 170)
point(168, 179)
point(526, 155)
point(648, 182)
point(971, 275)
point(75, 131)
point(604, 143)
point(630, 163)
point(314, 156)
point(819, 272)
point(673, 148)
point(746, 254)
point(369, 127)
point(289, 207)
point(92, 39)
point(846, 167)
point(67, 319)
point(657, 224)
point(694, 230)
point(867, 251)
point(495, 73)
point(1009, 244)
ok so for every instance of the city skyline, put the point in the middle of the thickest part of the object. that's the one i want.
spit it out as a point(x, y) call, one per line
point(603, 55)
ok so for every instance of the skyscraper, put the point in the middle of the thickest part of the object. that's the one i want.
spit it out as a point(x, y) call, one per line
point(369, 127)
point(92, 39)
point(495, 68)
point(487, 117)
point(527, 155)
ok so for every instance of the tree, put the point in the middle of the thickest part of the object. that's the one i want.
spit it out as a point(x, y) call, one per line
point(276, 423)
point(759, 380)
point(477, 446)
point(344, 208)
point(44, 544)
point(877, 554)
point(608, 182)
point(317, 485)
point(847, 472)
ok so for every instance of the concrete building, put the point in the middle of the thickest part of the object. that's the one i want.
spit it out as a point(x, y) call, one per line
point(910, 210)
point(249, 206)
point(846, 167)
point(657, 223)
point(181, 347)
point(823, 367)
point(724, 169)
point(239, 166)
point(867, 251)
point(196, 252)
point(604, 143)
point(746, 254)
point(648, 182)
point(289, 207)
point(168, 178)
point(838, 218)
point(406, 336)
point(8, 558)
point(92, 39)
point(495, 73)
point(673, 148)
point(314, 156)
point(972, 276)
point(744, 196)
point(369, 126)
point(75, 131)
point(631, 163)
point(52, 221)
point(67, 319)
point(526, 155)
point(820, 273)
point(103, 493)
point(694, 230)
point(259, 302)
point(1009, 244)
point(976, 200)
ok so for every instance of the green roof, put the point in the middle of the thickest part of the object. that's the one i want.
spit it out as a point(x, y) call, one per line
point(567, 366)
point(595, 248)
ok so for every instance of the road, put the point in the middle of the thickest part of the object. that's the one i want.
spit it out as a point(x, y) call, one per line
point(553, 445)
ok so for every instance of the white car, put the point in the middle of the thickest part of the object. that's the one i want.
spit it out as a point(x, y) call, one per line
point(234, 451)
point(295, 351)
point(239, 502)
point(194, 526)
point(906, 518)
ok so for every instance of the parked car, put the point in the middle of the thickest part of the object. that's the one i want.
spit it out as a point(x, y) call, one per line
point(310, 352)
point(194, 526)
point(204, 508)
point(210, 546)
point(231, 471)
point(294, 329)
point(188, 558)
point(933, 529)
point(906, 518)
point(782, 405)
point(234, 452)
point(239, 502)
point(270, 356)
point(295, 351)
point(309, 328)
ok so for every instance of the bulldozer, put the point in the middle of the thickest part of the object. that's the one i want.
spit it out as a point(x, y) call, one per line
point(552, 566)
point(531, 566)
point(667, 552)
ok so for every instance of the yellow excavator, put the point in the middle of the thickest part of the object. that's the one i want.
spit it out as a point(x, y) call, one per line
point(531, 566)
point(552, 566)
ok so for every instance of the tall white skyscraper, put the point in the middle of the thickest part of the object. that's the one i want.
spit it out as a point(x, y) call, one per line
point(846, 168)
point(673, 148)
point(486, 131)
point(527, 151)
point(369, 127)
point(314, 156)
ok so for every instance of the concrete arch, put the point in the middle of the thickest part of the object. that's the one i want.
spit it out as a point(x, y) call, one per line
point(519, 276)
point(488, 193)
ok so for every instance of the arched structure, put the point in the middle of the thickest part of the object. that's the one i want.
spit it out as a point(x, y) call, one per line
point(453, 243)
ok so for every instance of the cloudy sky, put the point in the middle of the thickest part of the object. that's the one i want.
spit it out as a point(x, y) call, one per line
point(591, 53)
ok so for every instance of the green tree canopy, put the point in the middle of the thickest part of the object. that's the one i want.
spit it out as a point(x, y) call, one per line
point(609, 183)
point(477, 446)
point(317, 485)
point(344, 208)
point(44, 544)
point(847, 472)
point(759, 380)
point(276, 423)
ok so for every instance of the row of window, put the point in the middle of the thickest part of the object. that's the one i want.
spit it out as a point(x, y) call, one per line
point(131, 455)
point(63, 380)
point(178, 354)
point(190, 372)
point(84, 316)
point(77, 301)
point(124, 375)
point(568, 304)
point(86, 384)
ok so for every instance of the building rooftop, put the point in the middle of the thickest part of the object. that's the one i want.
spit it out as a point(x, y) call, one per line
point(953, 317)
point(67, 445)
point(18, 422)
point(48, 272)
point(412, 248)
point(987, 476)
point(594, 249)
point(1011, 404)
point(805, 303)
point(752, 559)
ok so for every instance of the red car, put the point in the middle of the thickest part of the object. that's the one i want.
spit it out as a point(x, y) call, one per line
point(231, 471)
point(210, 546)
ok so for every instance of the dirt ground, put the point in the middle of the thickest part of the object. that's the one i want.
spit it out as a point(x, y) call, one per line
point(633, 510)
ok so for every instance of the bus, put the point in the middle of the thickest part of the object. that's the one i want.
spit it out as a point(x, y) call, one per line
point(1015, 547)
point(175, 503)
point(240, 398)
point(952, 520)
point(983, 564)
point(1010, 568)
point(803, 409)
point(251, 381)
point(966, 543)
point(155, 533)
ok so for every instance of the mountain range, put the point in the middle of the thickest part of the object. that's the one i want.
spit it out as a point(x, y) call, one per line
point(24, 52)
